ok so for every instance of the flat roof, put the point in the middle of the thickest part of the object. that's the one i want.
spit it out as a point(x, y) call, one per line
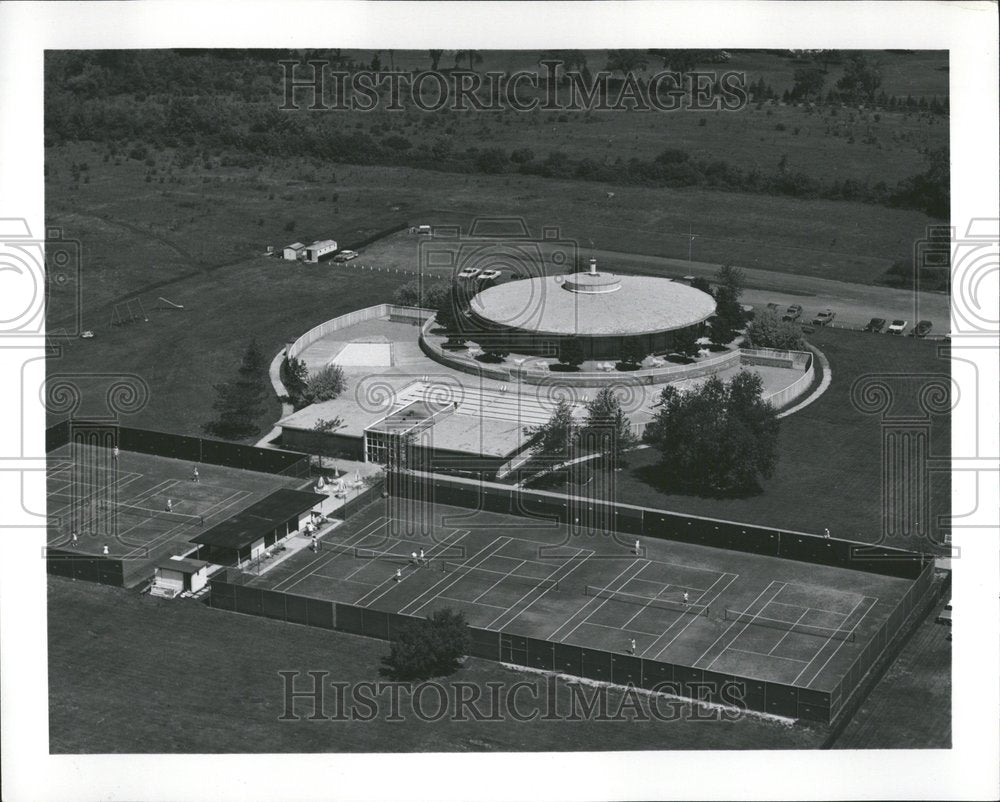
point(184, 565)
point(642, 305)
point(251, 524)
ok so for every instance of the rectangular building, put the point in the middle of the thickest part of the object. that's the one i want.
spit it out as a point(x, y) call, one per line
point(293, 252)
point(320, 249)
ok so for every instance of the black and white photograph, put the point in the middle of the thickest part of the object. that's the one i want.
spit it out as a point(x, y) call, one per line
point(500, 400)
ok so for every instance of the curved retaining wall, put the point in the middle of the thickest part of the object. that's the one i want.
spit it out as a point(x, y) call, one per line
point(795, 360)
point(792, 360)
point(414, 313)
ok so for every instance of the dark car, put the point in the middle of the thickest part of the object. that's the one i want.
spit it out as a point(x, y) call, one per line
point(824, 318)
point(794, 312)
point(922, 329)
point(875, 325)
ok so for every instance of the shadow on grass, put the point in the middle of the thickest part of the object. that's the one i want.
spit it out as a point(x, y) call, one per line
point(656, 478)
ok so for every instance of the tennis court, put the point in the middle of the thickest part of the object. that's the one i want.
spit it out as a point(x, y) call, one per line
point(753, 615)
point(122, 503)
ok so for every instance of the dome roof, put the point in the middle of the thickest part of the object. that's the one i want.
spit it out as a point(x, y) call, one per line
point(593, 304)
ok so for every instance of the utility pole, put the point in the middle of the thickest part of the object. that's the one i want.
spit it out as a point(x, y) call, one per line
point(690, 242)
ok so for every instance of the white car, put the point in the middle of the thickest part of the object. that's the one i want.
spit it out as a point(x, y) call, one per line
point(345, 256)
point(469, 272)
point(896, 327)
point(490, 275)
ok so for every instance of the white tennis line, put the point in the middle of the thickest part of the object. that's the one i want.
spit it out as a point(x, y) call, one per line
point(692, 619)
point(466, 601)
point(619, 629)
point(745, 626)
point(501, 579)
point(646, 605)
point(702, 591)
point(682, 565)
point(294, 577)
point(817, 609)
point(640, 562)
point(390, 582)
point(874, 601)
point(789, 632)
point(568, 561)
point(485, 553)
point(171, 533)
point(736, 623)
point(761, 654)
point(457, 575)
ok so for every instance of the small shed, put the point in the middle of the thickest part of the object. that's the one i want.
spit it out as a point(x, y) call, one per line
point(293, 251)
point(182, 574)
point(320, 249)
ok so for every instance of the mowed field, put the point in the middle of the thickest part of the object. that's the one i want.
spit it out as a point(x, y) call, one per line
point(135, 674)
point(830, 468)
point(829, 143)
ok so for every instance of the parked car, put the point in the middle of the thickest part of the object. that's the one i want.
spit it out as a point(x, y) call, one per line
point(922, 329)
point(469, 272)
point(490, 275)
point(794, 312)
point(875, 325)
point(345, 256)
point(897, 327)
point(824, 318)
point(944, 617)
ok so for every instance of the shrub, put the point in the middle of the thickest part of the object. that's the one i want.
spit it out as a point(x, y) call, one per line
point(571, 353)
point(768, 330)
point(430, 648)
point(324, 385)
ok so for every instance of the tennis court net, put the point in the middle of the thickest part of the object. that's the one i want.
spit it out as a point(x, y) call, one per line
point(538, 582)
point(390, 556)
point(790, 626)
point(162, 515)
point(646, 601)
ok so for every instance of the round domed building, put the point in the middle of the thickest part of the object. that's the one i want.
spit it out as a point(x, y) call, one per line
point(601, 310)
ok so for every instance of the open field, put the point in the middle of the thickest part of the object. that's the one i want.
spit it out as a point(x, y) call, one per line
point(136, 233)
point(112, 691)
point(828, 143)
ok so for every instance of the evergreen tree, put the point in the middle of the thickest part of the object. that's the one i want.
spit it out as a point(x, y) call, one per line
point(607, 428)
point(555, 438)
point(241, 402)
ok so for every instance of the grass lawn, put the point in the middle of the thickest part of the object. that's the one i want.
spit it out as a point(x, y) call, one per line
point(830, 464)
point(135, 674)
point(889, 717)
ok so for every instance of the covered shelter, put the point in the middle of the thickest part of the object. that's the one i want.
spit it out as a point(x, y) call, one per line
point(248, 533)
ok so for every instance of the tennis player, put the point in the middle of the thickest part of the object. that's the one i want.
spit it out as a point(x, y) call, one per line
point(398, 576)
